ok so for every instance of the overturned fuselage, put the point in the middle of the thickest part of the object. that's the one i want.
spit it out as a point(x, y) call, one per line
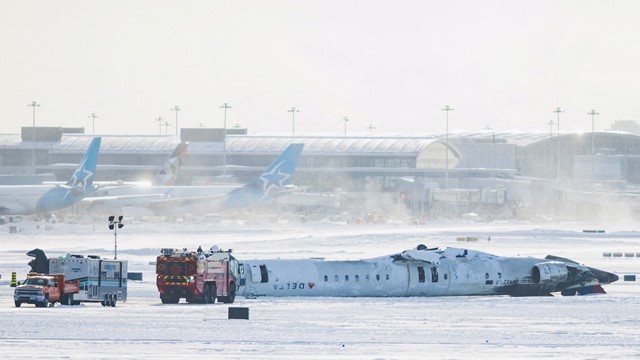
point(422, 272)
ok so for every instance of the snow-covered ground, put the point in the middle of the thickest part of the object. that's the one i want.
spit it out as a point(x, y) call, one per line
point(606, 326)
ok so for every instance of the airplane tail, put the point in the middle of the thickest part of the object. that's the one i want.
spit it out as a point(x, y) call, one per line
point(168, 175)
point(275, 177)
point(83, 176)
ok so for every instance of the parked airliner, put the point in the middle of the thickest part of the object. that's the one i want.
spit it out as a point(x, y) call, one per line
point(42, 199)
point(164, 200)
point(422, 272)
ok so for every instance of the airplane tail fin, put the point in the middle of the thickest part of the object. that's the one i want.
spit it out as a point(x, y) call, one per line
point(280, 170)
point(274, 177)
point(82, 178)
point(168, 175)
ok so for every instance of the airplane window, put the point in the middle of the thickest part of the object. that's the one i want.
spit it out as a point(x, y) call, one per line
point(434, 274)
point(264, 274)
point(499, 275)
point(421, 274)
point(326, 278)
point(336, 277)
point(367, 277)
point(346, 278)
point(387, 276)
point(357, 277)
point(446, 276)
point(378, 277)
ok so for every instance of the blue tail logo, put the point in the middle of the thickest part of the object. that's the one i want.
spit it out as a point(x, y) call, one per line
point(274, 177)
point(81, 182)
point(79, 185)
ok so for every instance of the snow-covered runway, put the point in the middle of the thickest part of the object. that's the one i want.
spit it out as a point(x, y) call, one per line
point(320, 328)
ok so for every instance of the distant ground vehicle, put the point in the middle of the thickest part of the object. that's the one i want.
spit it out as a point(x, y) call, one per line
point(45, 290)
point(196, 276)
point(100, 280)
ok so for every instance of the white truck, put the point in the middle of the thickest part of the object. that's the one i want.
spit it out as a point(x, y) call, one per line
point(101, 280)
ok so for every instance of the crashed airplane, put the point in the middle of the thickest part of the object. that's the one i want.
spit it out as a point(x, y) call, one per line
point(422, 272)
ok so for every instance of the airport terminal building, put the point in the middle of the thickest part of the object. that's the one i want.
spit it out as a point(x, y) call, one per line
point(434, 174)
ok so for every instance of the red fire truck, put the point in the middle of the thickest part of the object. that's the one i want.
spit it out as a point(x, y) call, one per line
point(197, 276)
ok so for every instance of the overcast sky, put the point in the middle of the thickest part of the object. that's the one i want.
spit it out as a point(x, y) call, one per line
point(392, 64)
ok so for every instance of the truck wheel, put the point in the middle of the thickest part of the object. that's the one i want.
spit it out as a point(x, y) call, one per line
point(114, 300)
point(18, 303)
point(213, 291)
point(231, 297)
point(104, 301)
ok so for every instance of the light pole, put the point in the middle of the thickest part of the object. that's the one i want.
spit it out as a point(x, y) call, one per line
point(115, 225)
point(166, 125)
point(93, 117)
point(34, 105)
point(346, 120)
point(558, 111)
point(293, 112)
point(550, 123)
point(446, 109)
point(160, 123)
point(224, 106)
point(593, 114)
point(177, 110)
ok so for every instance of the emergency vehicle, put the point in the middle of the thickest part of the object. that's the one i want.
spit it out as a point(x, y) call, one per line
point(196, 276)
point(101, 280)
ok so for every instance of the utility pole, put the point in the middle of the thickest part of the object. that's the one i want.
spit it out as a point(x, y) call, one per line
point(293, 112)
point(224, 106)
point(558, 111)
point(34, 105)
point(160, 121)
point(177, 110)
point(346, 120)
point(93, 117)
point(446, 156)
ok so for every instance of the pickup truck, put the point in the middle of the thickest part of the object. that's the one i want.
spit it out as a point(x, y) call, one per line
point(45, 290)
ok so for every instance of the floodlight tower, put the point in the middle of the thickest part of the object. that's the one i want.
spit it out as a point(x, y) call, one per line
point(115, 225)
point(446, 156)
point(160, 121)
point(346, 120)
point(177, 110)
point(558, 111)
point(293, 112)
point(93, 117)
point(224, 106)
point(34, 105)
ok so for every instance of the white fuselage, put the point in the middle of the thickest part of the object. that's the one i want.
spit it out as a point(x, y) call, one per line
point(21, 199)
point(443, 272)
